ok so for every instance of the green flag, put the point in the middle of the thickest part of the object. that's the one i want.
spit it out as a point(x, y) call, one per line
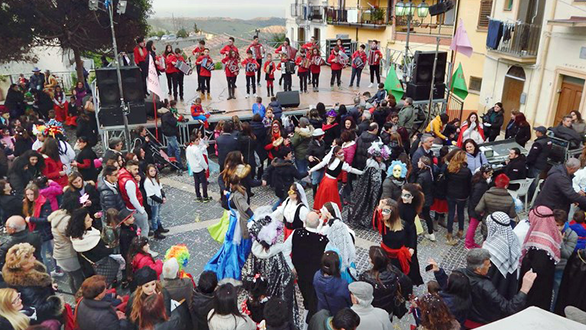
point(459, 87)
point(393, 85)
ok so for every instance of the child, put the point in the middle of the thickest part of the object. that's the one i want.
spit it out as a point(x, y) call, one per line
point(358, 61)
point(579, 226)
point(112, 230)
point(286, 73)
point(72, 112)
point(218, 132)
point(335, 61)
point(269, 69)
point(197, 113)
point(258, 107)
point(277, 108)
point(128, 230)
point(302, 63)
point(315, 68)
point(250, 67)
point(198, 167)
point(231, 69)
point(380, 95)
point(139, 257)
point(49, 189)
point(205, 66)
point(155, 199)
point(254, 305)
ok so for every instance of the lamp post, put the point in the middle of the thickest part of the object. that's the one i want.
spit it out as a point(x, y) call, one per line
point(407, 10)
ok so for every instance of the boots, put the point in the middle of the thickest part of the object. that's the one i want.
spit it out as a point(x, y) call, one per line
point(268, 91)
point(159, 234)
point(460, 234)
point(272, 91)
point(209, 96)
point(450, 240)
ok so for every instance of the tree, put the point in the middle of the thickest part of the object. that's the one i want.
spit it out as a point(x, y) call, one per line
point(195, 29)
point(68, 24)
point(182, 33)
point(278, 38)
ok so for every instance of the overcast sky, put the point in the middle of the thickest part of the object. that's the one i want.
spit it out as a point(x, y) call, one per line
point(245, 9)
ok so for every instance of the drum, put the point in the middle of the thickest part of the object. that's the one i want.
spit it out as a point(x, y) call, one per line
point(183, 67)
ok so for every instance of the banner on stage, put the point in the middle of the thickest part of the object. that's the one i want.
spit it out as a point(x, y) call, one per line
point(153, 79)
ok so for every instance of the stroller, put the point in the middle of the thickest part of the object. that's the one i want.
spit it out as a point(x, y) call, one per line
point(155, 148)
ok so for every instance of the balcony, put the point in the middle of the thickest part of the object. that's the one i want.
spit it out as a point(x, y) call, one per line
point(296, 10)
point(519, 42)
point(367, 17)
point(315, 13)
point(303, 13)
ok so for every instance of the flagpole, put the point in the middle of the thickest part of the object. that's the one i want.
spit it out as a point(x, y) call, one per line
point(437, 43)
point(155, 109)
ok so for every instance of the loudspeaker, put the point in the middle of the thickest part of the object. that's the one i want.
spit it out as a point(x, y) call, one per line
point(132, 84)
point(440, 8)
point(288, 99)
point(421, 92)
point(112, 115)
point(424, 65)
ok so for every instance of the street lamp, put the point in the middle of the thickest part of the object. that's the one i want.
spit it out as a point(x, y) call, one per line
point(423, 10)
point(407, 10)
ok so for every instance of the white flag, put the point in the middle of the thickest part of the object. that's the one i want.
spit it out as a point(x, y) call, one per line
point(153, 79)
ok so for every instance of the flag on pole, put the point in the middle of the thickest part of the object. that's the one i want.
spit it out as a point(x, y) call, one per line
point(153, 79)
point(459, 83)
point(393, 84)
point(460, 41)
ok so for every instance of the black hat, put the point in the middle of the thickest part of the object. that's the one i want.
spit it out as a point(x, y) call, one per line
point(144, 275)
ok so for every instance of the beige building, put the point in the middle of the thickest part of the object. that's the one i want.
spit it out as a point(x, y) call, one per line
point(539, 64)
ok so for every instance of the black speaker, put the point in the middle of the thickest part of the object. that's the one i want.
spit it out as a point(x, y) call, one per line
point(421, 92)
point(441, 8)
point(132, 84)
point(112, 115)
point(424, 65)
point(288, 99)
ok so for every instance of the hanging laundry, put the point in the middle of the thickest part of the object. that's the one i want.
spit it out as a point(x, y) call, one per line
point(495, 32)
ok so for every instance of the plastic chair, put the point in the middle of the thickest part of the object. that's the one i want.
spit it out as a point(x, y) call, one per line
point(524, 185)
point(537, 190)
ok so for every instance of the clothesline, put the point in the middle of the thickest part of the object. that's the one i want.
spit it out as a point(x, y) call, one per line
point(509, 21)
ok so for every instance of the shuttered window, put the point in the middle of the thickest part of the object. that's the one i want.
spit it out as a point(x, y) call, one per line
point(485, 10)
point(475, 84)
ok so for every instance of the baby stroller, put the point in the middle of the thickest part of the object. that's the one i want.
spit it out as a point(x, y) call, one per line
point(154, 149)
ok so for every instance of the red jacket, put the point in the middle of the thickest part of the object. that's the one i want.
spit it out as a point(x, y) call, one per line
point(203, 71)
point(226, 50)
point(141, 260)
point(197, 110)
point(342, 50)
point(231, 67)
point(270, 68)
point(316, 63)
point(248, 61)
point(300, 69)
point(374, 57)
point(52, 169)
point(171, 58)
point(123, 177)
point(281, 63)
point(287, 50)
point(256, 50)
point(309, 46)
point(197, 50)
point(138, 57)
point(335, 65)
point(360, 54)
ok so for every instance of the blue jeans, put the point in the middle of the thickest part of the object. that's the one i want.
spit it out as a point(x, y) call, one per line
point(142, 222)
point(173, 149)
point(453, 206)
point(557, 280)
point(156, 216)
point(47, 246)
point(356, 73)
point(279, 201)
point(317, 176)
point(302, 167)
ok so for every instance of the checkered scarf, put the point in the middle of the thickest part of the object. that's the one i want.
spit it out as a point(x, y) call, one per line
point(543, 233)
point(502, 243)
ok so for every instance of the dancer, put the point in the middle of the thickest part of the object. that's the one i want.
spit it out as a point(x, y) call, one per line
point(206, 65)
point(231, 69)
point(316, 62)
point(250, 66)
point(293, 210)
point(374, 58)
point(303, 63)
point(410, 205)
point(358, 62)
point(269, 69)
point(328, 187)
point(258, 53)
point(341, 239)
point(228, 261)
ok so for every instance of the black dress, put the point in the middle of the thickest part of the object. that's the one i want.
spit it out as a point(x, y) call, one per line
point(404, 237)
point(507, 286)
point(544, 266)
point(86, 157)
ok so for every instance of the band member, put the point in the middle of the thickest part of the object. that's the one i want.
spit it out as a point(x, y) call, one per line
point(140, 54)
point(168, 51)
point(310, 45)
point(302, 63)
point(287, 67)
point(231, 68)
point(358, 62)
point(315, 68)
point(250, 67)
point(289, 52)
point(230, 46)
point(336, 62)
point(340, 46)
point(258, 53)
point(374, 57)
point(176, 74)
point(206, 66)
point(197, 52)
point(269, 69)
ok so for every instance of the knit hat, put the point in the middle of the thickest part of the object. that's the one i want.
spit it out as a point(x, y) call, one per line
point(362, 291)
point(170, 269)
point(144, 275)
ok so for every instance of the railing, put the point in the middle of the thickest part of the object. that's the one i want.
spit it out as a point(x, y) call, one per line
point(373, 16)
point(65, 79)
point(520, 39)
point(315, 13)
point(430, 26)
point(455, 106)
point(296, 10)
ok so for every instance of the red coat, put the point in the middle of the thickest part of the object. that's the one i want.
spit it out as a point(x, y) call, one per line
point(231, 67)
point(287, 50)
point(309, 46)
point(270, 68)
point(257, 50)
point(197, 50)
point(203, 71)
point(315, 67)
point(226, 50)
point(335, 65)
point(245, 63)
point(141, 260)
point(281, 63)
point(138, 57)
point(170, 60)
point(362, 56)
point(52, 169)
point(374, 57)
point(342, 50)
point(300, 69)
point(123, 177)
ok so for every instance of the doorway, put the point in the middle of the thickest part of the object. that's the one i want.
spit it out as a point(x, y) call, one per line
point(301, 36)
point(512, 90)
point(570, 94)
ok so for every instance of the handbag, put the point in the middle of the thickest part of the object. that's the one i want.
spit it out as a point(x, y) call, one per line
point(418, 226)
point(106, 267)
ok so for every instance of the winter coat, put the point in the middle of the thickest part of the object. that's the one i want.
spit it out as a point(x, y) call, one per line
point(425, 180)
point(537, 157)
point(281, 174)
point(141, 260)
point(372, 318)
point(362, 144)
point(476, 193)
point(454, 303)
point(300, 141)
point(226, 143)
point(332, 132)
point(25, 236)
point(569, 242)
point(18, 180)
point(42, 225)
point(277, 109)
point(391, 188)
point(168, 122)
point(420, 152)
point(10, 205)
point(97, 315)
point(316, 149)
point(63, 249)
point(496, 199)
point(385, 288)
point(407, 117)
point(332, 292)
point(179, 288)
point(109, 196)
point(487, 304)
point(495, 121)
point(52, 169)
point(201, 305)
point(36, 290)
point(458, 183)
point(511, 129)
point(166, 300)
point(475, 162)
point(260, 131)
point(229, 322)
point(557, 191)
point(568, 134)
point(523, 135)
point(516, 168)
point(247, 148)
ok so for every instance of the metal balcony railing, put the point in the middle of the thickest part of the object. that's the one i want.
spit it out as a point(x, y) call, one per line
point(361, 16)
point(520, 39)
point(315, 13)
point(296, 10)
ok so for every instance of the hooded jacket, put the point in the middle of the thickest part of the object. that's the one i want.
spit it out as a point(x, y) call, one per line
point(300, 141)
point(281, 174)
point(168, 122)
point(109, 195)
point(201, 305)
point(496, 199)
point(385, 288)
point(332, 292)
point(98, 314)
point(24, 236)
point(557, 191)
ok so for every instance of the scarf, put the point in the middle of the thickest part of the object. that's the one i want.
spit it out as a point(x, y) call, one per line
point(502, 243)
point(89, 240)
point(402, 254)
point(340, 238)
point(39, 202)
point(543, 234)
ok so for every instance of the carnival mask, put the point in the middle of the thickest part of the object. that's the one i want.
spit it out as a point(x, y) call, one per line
point(407, 197)
point(397, 170)
point(386, 212)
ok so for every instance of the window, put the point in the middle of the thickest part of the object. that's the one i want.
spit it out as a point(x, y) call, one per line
point(475, 84)
point(508, 5)
point(485, 11)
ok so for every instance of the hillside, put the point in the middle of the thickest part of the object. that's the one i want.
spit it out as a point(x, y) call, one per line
point(220, 25)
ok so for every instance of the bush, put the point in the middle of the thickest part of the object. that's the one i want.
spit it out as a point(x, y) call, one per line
point(218, 66)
